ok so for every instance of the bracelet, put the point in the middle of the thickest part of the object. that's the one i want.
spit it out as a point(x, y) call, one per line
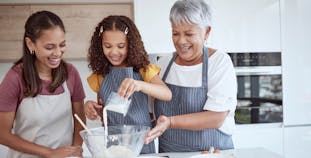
point(170, 123)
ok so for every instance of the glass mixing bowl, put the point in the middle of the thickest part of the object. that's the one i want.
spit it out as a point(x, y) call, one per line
point(122, 141)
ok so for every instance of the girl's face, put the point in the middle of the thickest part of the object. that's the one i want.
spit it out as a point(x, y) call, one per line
point(188, 40)
point(49, 48)
point(115, 47)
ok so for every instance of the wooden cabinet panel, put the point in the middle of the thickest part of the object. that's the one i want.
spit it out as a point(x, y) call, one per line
point(79, 20)
point(12, 20)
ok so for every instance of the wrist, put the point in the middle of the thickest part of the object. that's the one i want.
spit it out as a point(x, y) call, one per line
point(170, 125)
point(140, 85)
point(46, 152)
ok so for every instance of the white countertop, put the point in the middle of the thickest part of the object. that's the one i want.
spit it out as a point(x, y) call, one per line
point(235, 153)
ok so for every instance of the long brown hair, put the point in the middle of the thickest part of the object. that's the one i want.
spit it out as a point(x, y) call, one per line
point(35, 24)
point(136, 54)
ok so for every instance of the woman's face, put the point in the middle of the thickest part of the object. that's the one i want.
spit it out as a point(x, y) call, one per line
point(188, 40)
point(49, 48)
point(115, 47)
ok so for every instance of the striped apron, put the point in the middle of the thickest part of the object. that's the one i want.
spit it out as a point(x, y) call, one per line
point(187, 100)
point(138, 112)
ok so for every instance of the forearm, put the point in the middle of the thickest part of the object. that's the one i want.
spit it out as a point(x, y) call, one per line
point(198, 121)
point(21, 145)
point(78, 109)
point(15, 142)
point(77, 140)
point(158, 91)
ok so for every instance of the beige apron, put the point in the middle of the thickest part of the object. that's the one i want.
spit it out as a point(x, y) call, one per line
point(45, 120)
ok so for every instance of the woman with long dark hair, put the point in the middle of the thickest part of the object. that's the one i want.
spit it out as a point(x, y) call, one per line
point(40, 93)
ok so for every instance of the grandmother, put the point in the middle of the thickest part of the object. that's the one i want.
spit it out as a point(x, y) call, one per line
point(203, 83)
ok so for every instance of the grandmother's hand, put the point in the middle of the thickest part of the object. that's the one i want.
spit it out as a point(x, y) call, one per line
point(163, 123)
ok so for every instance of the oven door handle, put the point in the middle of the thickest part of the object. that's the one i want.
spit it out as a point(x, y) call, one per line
point(258, 70)
point(263, 100)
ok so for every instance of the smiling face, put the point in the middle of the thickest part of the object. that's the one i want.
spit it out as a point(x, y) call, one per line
point(115, 47)
point(188, 40)
point(49, 48)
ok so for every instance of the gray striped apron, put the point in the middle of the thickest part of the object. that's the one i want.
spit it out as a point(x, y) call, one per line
point(187, 100)
point(138, 112)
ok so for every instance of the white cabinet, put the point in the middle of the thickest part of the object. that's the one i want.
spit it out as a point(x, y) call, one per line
point(268, 136)
point(246, 26)
point(237, 25)
point(297, 142)
point(152, 20)
point(296, 37)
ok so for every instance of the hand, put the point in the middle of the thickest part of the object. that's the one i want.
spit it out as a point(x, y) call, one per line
point(128, 87)
point(65, 151)
point(163, 123)
point(90, 111)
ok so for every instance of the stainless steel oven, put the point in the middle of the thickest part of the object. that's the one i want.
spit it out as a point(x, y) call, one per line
point(259, 87)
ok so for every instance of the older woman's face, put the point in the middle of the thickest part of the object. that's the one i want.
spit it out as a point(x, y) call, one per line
point(188, 40)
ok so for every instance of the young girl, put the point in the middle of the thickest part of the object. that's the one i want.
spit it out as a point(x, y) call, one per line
point(120, 64)
point(40, 93)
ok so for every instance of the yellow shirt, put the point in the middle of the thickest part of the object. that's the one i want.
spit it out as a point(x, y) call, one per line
point(95, 80)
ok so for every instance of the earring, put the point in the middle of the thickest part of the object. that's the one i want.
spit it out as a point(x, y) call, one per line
point(206, 43)
point(32, 52)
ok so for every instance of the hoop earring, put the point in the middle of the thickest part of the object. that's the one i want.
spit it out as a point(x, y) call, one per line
point(206, 43)
point(32, 52)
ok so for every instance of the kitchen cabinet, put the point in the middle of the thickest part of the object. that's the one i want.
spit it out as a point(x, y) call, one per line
point(246, 26)
point(152, 21)
point(268, 136)
point(296, 37)
point(79, 20)
point(12, 30)
point(297, 142)
point(237, 26)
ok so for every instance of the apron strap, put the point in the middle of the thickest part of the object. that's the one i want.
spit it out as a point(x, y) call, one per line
point(204, 68)
point(169, 66)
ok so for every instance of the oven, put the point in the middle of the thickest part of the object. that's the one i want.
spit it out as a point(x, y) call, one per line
point(259, 80)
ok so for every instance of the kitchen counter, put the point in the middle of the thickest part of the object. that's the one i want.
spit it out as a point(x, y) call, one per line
point(235, 153)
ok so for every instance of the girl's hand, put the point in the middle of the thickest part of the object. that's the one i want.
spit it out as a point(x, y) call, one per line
point(90, 111)
point(65, 151)
point(128, 87)
point(163, 123)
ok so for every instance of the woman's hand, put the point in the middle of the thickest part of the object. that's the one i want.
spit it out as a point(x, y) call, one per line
point(128, 87)
point(65, 151)
point(163, 123)
point(90, 109)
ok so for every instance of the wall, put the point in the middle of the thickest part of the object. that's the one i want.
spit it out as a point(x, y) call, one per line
point(80, 21)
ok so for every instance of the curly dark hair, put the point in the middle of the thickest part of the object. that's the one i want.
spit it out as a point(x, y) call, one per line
point(136, 54)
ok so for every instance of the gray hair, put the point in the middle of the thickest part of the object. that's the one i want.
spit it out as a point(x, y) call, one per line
point(192, 12)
